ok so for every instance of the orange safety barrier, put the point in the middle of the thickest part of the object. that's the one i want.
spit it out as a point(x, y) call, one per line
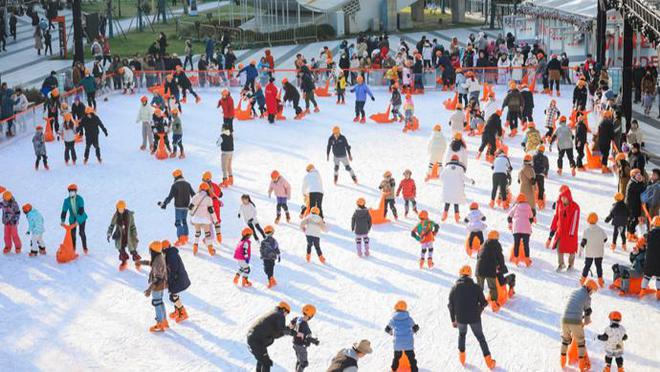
point(161, 151)
point(378, 215)
point(593, 158)
point(522, 257)
point(450, 104)
point(573, 357)
point(241, 114)
point(382, 117)
point(323, 92)
point(66, 253)
point(435, 173)
point(411, 126)
point(48, 131)
point(486, 92)
point(532, 86)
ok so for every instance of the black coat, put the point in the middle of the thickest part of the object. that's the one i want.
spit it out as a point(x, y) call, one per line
point(177, 277)
point(633, 197)
point(466, 301)
point(528, 101)
point(269, 327)
point(605, 134)
point(490, 260)
point(339, 146)
point(618, 214)
point(90, 126)
point(493, 128)
point(580, 96)
point(361, 221)
point(541, 164)
point(307, 83)
point(580, 135)
point(183, 80)
point(652, 263)
point(637, 160)
point(290, 93)
point(181, 192)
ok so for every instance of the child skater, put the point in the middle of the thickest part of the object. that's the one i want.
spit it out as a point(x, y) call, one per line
point(619, 215)
point(313, 225)
point(35, 230)
point(476, 226)
point(409, 112)
point(424, 233)
point(403, 328)
point(248, 211)
point(69, 137)
point(407, 185)
point(270, 251)
point(387, 186)
point(302, 336)
point(282, 190)
point(39, 148)
point(361, 225)
point(157, 284)
point(395, 101)
point(593, 241)
point(177, 280)
point(159, 126)
point(613, 336)
point(242, 255)
point(177, 134)
point(551, 115)
point(341, 88)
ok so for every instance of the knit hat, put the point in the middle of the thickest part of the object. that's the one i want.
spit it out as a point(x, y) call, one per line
point(363, 346)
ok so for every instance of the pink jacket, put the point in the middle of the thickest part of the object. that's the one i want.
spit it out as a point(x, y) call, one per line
point(243, 251)
point(521, 214)
point(281, 188)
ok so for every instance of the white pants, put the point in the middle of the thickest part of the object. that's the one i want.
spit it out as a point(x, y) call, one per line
point(36, 242)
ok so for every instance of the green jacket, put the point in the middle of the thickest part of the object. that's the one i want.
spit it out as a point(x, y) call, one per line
point(116, 232)
point(89, 84)
point(177, 128)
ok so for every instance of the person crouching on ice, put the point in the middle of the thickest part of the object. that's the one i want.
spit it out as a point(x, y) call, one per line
point(425, 233)
point(157, 284)
point(403, 328)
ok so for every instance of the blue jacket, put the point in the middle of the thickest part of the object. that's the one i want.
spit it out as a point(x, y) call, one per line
point(210, 48)
point(259, 97)
point(35, 222)
point(361, 91)
point(250, 72)
point(7, 104)
point(402, 326)
point(79, 216)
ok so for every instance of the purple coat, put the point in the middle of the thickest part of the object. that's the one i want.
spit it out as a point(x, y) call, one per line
point(521, 215)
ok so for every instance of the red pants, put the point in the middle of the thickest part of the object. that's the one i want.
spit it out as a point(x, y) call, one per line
point(11, 234)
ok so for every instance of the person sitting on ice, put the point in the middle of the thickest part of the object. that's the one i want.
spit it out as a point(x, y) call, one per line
point(302, 336)
point(123, 231)
point(157, 284)
point(264, 331)
point(552, 114)
point(565, 225)
point(270, 252)
point(564, 138)
point(341, 153)
point(652, 261)
point(492, 131)
point(425, 233)
point(291, 94)
point(403, 329)
point(347, 359)
point(466, 303)
point(614, 336)
point(457, 120)
point(387, 187)
point(501, 179)
point(361, 90)
point(453, 190)
point(541, 168)
point(436, 149)
point(577, 315)
point(361, 225)
point(313, 226)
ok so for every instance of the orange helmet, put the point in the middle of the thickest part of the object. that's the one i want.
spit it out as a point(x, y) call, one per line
point(269, 229)
point(527, 158)
point(541, 148)
point(225, 92)
point(493, 235)
point(423, 215)
point(89, 110)
point(591, 285)
point(246, 231)
point(615, 316)
point(121, 205)
point(465, 270)
point(72, 187)
point(285, 80)
point(562, 118)
point(592, 218)
point(474, 205)
point(7, 195)
point(401, 305)
point(387, 174)
point(274, 175)
point(620, 156)
point(144, 99)
point(521, 198)
point(67, 116)
point(177, 173)
point(531, 124)
point(283, 305)
point(315, 210)
point(361, 202)
point(618, 196)
point(175, 111)
point(207, 176)
point(437, 128)
point(309, 310)
point(27, 208)
point(203, 186)
point(156, 246)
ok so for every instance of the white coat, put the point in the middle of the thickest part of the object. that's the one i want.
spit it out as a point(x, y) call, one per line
point(462, 155)
point(312, 182)
point(437, 147)
point(313, 225)
point(453, 180)
point(472, 85)
point(456, 120)
point(22, 103)
point(248, 212)
point(517, 71)
point(596, 238)
point(127, 78)
point(145, 113)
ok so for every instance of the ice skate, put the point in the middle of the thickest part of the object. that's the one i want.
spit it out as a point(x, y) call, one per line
point(211, 250)
point(246, 283)
point(236, 278)
point(271, 282)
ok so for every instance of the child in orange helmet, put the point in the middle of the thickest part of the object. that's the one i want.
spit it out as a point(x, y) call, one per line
point(425, 233)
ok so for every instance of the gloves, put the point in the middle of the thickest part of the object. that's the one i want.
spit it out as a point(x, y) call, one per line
point(415, 328)
point(107, 237)
point(372, 98)
point(279, 258)
point(313, 340)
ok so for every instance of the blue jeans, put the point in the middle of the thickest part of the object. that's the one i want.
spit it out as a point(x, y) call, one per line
point(157, 301)
point(180, 221)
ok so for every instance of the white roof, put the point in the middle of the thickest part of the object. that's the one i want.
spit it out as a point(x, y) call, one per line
point(584, 8)
point(322, 5)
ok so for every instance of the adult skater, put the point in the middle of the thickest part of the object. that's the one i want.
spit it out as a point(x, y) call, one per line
point(605, 138)
point(341, 153)
point(181, 192)
point(564, 229)
point(492, 131)
point(652, 261)
point(292, 94)
point(272, 102)
point(74, 205)
point(89, 126)
point(347, 359)
point(577, 314)
point(177, 280)
point(312, 189)
point(145, 116)
point(514, 103)
point(466, 303)
point(453, 190)
point(264, 332)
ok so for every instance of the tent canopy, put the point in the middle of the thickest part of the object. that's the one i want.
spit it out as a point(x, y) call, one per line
point(584, 8)
point(322, 5)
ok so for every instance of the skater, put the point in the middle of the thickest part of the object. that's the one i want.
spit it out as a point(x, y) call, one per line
point(341, 153)
point(145, 117)
point(263, 333)
point(532, 138)
point(69, 137)
point(606, 137)
point(580, 142)
point(475, 223)
point(248, 211)
point(177, 134)
point(361, 225)
point(242, 255)
point(74, 205)
point(260, 100)
point(407, 185)
point(387, 187)
point(160, 127)
point(90, 87)
point(313, 226)
point(35, 230)
point(552, 114)
point(270, 251)
point(177, 280)
point(577, 315)
point(292, 94)
point(340, 87)
point(272, 102)
point(619, 216)
point(652, 261)
point(457, 147)
point(127, 79)
point(466, 303)
point(453, 190)
point(461, 86)
point(457, 120)
point(490, 265)
point(527, 114)
point(403, 328)
point(89, 126)
point(123, 231)
point(282, 190)
point(613, 336)
point(185, 85)
point(425, 233)
point(564, 139)
point(227, 105)
point(77, 108)
point(409, 112)
point(520, 221)
point(312, 189)
point(361, 90)
point(202, 216)
point(514, 103)
point(52, 107)
point(527, 181)
point(171, 90)
point(436, 150)
point(592, 245)
point(307, 86)
point(541, 167)
point(226, 144)
point(635, 188)
point(347, 359)
point(501, 180)
point(215, 192)
point(157, 284)
point(565, 224)
point(492, 131)
point(11, 215)
point(39, 147)
point(395, 102)
point(181, 192)
point(302, 336)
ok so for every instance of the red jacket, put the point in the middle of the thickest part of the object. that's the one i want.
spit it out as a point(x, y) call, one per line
point(565, 224)
point(227, 105)
point(269, 59)
point(271, 98)
point(216, 194)
point(408, 187)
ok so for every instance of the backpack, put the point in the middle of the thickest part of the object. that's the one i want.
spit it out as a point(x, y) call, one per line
point(268, 250)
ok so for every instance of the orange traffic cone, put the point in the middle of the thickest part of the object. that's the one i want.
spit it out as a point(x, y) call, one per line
point(450, 104)
point(241, 114)
point(66, 253)
point(434, 175)
point(502, 293)
point(412, 126)
point(532, 86)
point(404, 364)
point(474, 249)
point(161, 151)
point(486, 92)
point(48, 131)
point(323, 92)
point(382, 117)
point(593, 161)
point(378, 215)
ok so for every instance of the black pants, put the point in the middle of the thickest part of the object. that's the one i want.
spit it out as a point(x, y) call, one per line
point(70, 151)
point(512, 119)
point(569, 155)
point(249, 84)
point(165, 139)
point(478, 333)
point(411, 358)
point(54, 118)
point(490, 143)
point(315, 200)
point(527, 115)
point(49, 46)
point(106, 58)
point(359, 109)
point(604, 155)
point(83, 236)
point(619, 361)
point(296, 105)
point(309, 97)
point(260, 352)
point(455, 208)
point(632, 224)
point(271, 118)
point(88, 144)
point(41, 157)
point(390, 203)
point(500, 181)
point(282, 206)
point(580, 156)
point(183, 91)
point(252, 226)
point(587, 266)
point(555, 83)
point(12, 31)
point(269, 268)
point(516, 244)
point(475, 235)
point(186, 61)
point(409, 201)
point(91, 99)
point(316, 243)
point(463, 97)
point(619, 231)
point(540, 184)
